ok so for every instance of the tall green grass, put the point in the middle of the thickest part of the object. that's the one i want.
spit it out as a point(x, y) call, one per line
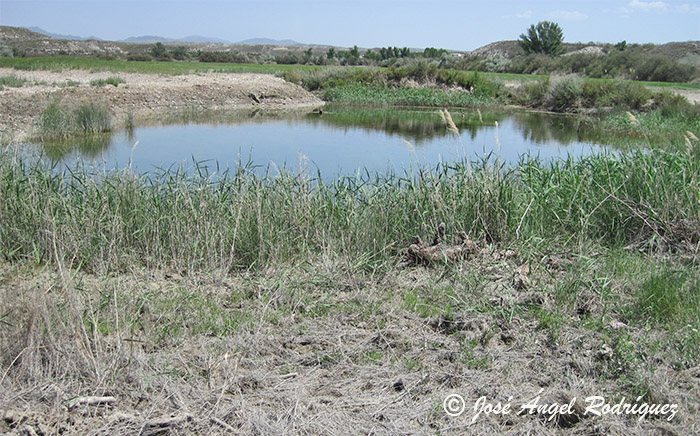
point(58, 121)
point(194, 221)
point(369, 95)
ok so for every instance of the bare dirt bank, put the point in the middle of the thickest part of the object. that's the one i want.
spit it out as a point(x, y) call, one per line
point(141, 95)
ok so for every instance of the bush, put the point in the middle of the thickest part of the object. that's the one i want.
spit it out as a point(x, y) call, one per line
point(287, 59)
point(139, 57)
point(222, 57)
point(658, 69)
point(179, 53)
point(534, 93)
point(674, 105)
point(565, 93)
point(5, 51)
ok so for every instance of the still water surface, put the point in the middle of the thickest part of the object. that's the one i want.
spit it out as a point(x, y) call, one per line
point(341, 141)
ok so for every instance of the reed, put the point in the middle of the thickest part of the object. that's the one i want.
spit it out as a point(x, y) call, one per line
point(196, 220)
point(58, 121)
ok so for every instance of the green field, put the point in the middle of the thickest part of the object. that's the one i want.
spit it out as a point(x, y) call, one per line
point(61, 63)
point(154, 67)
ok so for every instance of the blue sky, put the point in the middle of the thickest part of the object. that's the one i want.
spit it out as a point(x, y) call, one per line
point(462, 25)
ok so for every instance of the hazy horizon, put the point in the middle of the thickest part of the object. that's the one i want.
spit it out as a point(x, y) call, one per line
point(447, 24)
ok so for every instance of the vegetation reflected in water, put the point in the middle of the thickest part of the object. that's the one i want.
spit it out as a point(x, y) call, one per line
point(338, 137)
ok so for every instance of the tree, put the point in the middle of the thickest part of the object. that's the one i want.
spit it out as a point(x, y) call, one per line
point(158, 50)
point(180, 52)
point(331, 53)
point(545, 38)
point(307, 56)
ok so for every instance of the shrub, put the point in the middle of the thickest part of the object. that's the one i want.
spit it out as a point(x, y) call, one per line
point(674, 105)
point(658, 69)
point(534, 93)
point(619, 94)
point(287, 59)
point(5, 51)
point(139, 57)
point(222, 57)
point(565, 93)
point(179, 53)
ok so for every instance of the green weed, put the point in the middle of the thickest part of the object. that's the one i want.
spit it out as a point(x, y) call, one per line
point(11, 81)
point(114, 81)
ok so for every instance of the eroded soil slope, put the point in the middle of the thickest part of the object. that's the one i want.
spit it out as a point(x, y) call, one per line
point(140, 95)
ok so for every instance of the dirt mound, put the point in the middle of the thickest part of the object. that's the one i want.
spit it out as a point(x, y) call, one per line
point(507, 49)
point(141, 95)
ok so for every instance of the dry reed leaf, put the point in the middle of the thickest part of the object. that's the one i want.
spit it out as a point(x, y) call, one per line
point(688, 146)
point(632, 118)
point(451, 126)
point(408, 143)
point(481, 120)
point(691, 135)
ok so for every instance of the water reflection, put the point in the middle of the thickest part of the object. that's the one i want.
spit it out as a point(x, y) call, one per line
point(341, 139)
point(90, 146)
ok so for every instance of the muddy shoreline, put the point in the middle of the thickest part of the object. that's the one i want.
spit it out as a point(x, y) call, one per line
point(141, 96)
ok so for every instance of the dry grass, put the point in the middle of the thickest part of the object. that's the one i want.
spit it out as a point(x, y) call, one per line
point(319, 349)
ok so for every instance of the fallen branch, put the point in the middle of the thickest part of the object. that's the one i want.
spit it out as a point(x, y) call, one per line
point(167, 421)
point(221, 423)
point(91, 401)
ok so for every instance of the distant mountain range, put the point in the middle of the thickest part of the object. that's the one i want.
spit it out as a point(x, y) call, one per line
point(151, 39)
point(267, 41)
point(59, 36)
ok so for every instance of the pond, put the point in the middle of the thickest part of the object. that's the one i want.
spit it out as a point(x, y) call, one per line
point(340, 141)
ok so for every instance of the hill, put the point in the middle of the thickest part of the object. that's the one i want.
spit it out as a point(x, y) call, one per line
point(36, 44)
point(267, 41)
point(59, 36)
point(684, 52)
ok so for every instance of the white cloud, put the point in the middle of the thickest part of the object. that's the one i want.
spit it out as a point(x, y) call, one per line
point(648, 6)
point(519, 15)
point(567, 15)
point(687, 8)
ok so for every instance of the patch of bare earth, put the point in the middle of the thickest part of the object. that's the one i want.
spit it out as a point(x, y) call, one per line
point(142, 95)
point(318, 350)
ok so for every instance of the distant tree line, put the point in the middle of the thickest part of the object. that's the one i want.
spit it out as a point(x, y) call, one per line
point(542, 46)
